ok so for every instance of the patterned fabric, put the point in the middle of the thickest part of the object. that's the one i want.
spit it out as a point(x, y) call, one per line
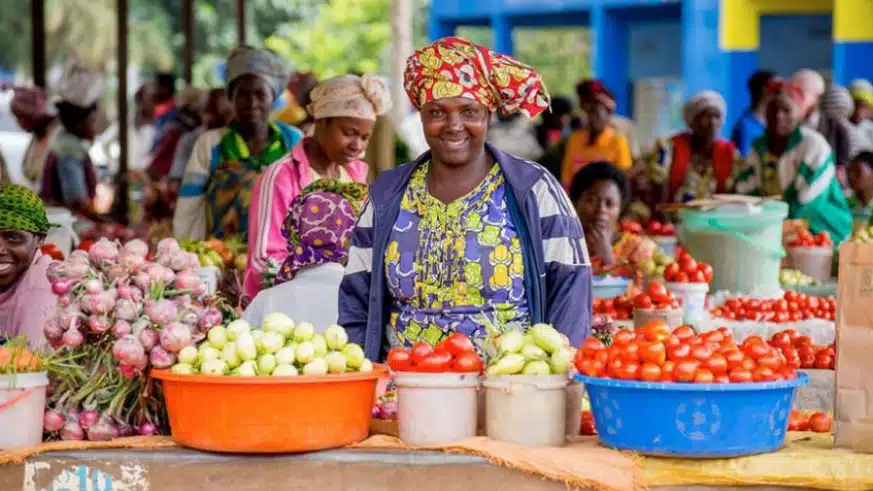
point(229, 190)
point(22, 209)
point(454, 267)
point(594, 90)
point(804, 176)
point(837, 102)
point(707, 99)
point(350, 96)
point(319, 224)
point(689, 176)
point(29, 103)
point(455, 67)
point(579, 152)
point(246, 60)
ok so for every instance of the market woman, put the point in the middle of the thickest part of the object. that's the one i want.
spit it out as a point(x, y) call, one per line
point(345, 109)
point(796, 163)
point(466, 238)
point(316, 232)
point(600, 192)
point(26, 298)
point(695, 164)
point(225, 163)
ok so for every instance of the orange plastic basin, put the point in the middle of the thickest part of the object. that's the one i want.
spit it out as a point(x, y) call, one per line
point(269, 414)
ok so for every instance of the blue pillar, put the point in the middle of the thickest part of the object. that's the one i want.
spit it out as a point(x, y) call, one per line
point(708, 65)
point(853, 40)
point(501, 29)
point(438, 29)
point(852, 60)
point(610, 55)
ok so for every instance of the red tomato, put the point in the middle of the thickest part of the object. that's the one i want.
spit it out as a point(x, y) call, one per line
point(688, 265)
point(650, 372)
point(629, 371)
point(734, 358)
point(755, 349)
point(740, 375)
point(631, 352)
point(701, 353)
point(667, 371)
point(685, 370)
point(435, 362)
point(717, 364)
point(781, 340)
point(713, 337)
point(419, 352)
point(696, 277)
point(654, 353)
point(458, 343)
point(587, 427)
point(671, 271)
point(820, 423)
point(681, 277)
point(728, 335)
point(763, 374)
point(399, 359)
point(591, 346)
point(85, 245)
point(643, 301)
point(680, 352)
point(654, 228)
point(704, 376)
point(658, 292)
point(623, 337)
point(656, 331)
point(770, 361)
point(467, 362)
point(823, 361)
point(706, 270)
point(684, 332)
point(590, 367)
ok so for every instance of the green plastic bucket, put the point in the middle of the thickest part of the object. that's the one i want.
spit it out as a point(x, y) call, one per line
point(742, 243)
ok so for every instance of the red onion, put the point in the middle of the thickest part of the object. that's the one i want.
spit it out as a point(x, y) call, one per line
point(121, 328)
point(136, 247)
point(125, 429)
point(161, 312)
point(167, 246)
point(76, 268)
point(210, 318)
point(127, 371)
point(55, 270)
point(61, 286)
point(73, 338)
point(147, 429)
point(79, 254)
point(72, 431)
point(142, 281)
point(87, 418)
point(160, 358)
point(53, 421)
point(189, 316)
point(126, 309)
point(104, 250)
point(178, 260)
point(69, 317)
point(116, 273)
point(93, 286)
point(175, 336)
point(53, 330)
point(65, 300)
point(168, 276)
point(186, 280)
point(199, 289)
point(127, 348)
point(101, 431)
point(149, 338)
point(98, 324)
point(131, 262)
point(129, 292)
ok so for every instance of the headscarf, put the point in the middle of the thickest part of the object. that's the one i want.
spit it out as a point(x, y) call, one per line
point(192, 98)
point(22, 209)
point(837, 103)
point(455, 67)
point(350, 96)
point(707, 99)
point(30, 103)
point(319, 224)
point(594, 90)
point(247, 60)
point(812, 85)
point(80, 86)
point(862, 90)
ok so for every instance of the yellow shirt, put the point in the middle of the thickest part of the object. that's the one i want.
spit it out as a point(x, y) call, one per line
point(609, 146)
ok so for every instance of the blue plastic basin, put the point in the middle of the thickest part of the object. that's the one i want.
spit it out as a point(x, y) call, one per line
point(609, 286)
point(692, 420)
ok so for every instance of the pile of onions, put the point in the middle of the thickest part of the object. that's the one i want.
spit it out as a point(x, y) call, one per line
point(119, 314)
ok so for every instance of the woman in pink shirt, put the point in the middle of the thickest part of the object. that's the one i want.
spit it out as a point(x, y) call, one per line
point(345, 109)
point(26, 297)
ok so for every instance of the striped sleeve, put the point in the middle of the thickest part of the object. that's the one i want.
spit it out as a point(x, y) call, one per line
point(748, 178)
point(567, 265)
point(815, 172)
point(354, 296)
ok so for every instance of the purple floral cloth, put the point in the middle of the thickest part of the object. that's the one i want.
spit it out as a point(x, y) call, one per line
point(319, 225)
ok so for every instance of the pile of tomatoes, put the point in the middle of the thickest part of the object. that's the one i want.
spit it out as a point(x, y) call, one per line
point(660, 229)
point(656, 296)
point(453, 354)
point(51, 250)
point(805, 238)
point(655, 354)
point(687, 270)
point(816, 422)
point(587, 427)
point(792, 307)
point(618, 308)
point(630, 227)
point(801, 353)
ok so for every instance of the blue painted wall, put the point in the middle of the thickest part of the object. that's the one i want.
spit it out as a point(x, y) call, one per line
point(655, 49)
point(790, 43)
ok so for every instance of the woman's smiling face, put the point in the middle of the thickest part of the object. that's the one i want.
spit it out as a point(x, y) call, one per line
point(17, 249)
point(455, 129)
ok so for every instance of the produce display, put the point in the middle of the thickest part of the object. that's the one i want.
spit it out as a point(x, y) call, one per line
point(656, 265)
point(805, 238)
point(687, 270)
point(660, 229)
point(119, 315)
point(603, 328)
point(540, 351)
point(282, 348)
point(792, 307)
point(655, 354)
point(618, 308)
point(51, 250)
point(587, 428)
point(230, 253)
point(110, 231)
point(795, 277)
point(800, 352)
point(816, 422)
point(455, 353)
point(386, 406)
point(863, 235)
point(656, 296)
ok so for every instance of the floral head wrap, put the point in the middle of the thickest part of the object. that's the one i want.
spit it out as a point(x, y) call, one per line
point(319, 224)
point(350, 96)
point(22, 209)
point(789, 91)
point(707, 99)
point(455, 67)
point(247, 60)
point(594, 90)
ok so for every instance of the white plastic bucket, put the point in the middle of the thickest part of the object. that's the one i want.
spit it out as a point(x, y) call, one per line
point(693, 297)
point(527, 409)
point(436, 408)
point(62, 235)
point(22, 405)
point(674, 317)
point(814, 261)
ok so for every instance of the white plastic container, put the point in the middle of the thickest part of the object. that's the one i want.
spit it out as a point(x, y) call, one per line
point(673, 317)
point(436, 408)
point(22, 405)
point(62, 235)
point(526, 409)
point(693, 297)
point(814, 261)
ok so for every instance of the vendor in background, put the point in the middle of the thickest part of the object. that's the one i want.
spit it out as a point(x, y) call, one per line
point(796, 163)
point(751, 124)
point(317, 232)
point(860, 176)
point(838, 105)
point(31, 109)
point(26, 298)
point(514, 134)
point(695, 164)
point(862, 93)
point(163, 92)
point(598, 140)
point(345, 109)
point(69, 178)
point(225, 163)
point(185, 119)
point(217, 113)
point(837, 133)
point(466, 238)
point(600, 192)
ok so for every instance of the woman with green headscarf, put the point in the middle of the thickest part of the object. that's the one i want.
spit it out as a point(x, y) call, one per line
point(27, 301)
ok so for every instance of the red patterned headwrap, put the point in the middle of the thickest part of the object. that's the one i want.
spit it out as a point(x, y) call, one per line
point(455, 67)
point(794, 92)
point(594, 90)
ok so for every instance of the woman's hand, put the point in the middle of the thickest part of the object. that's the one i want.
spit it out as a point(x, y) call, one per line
point(598, 238)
